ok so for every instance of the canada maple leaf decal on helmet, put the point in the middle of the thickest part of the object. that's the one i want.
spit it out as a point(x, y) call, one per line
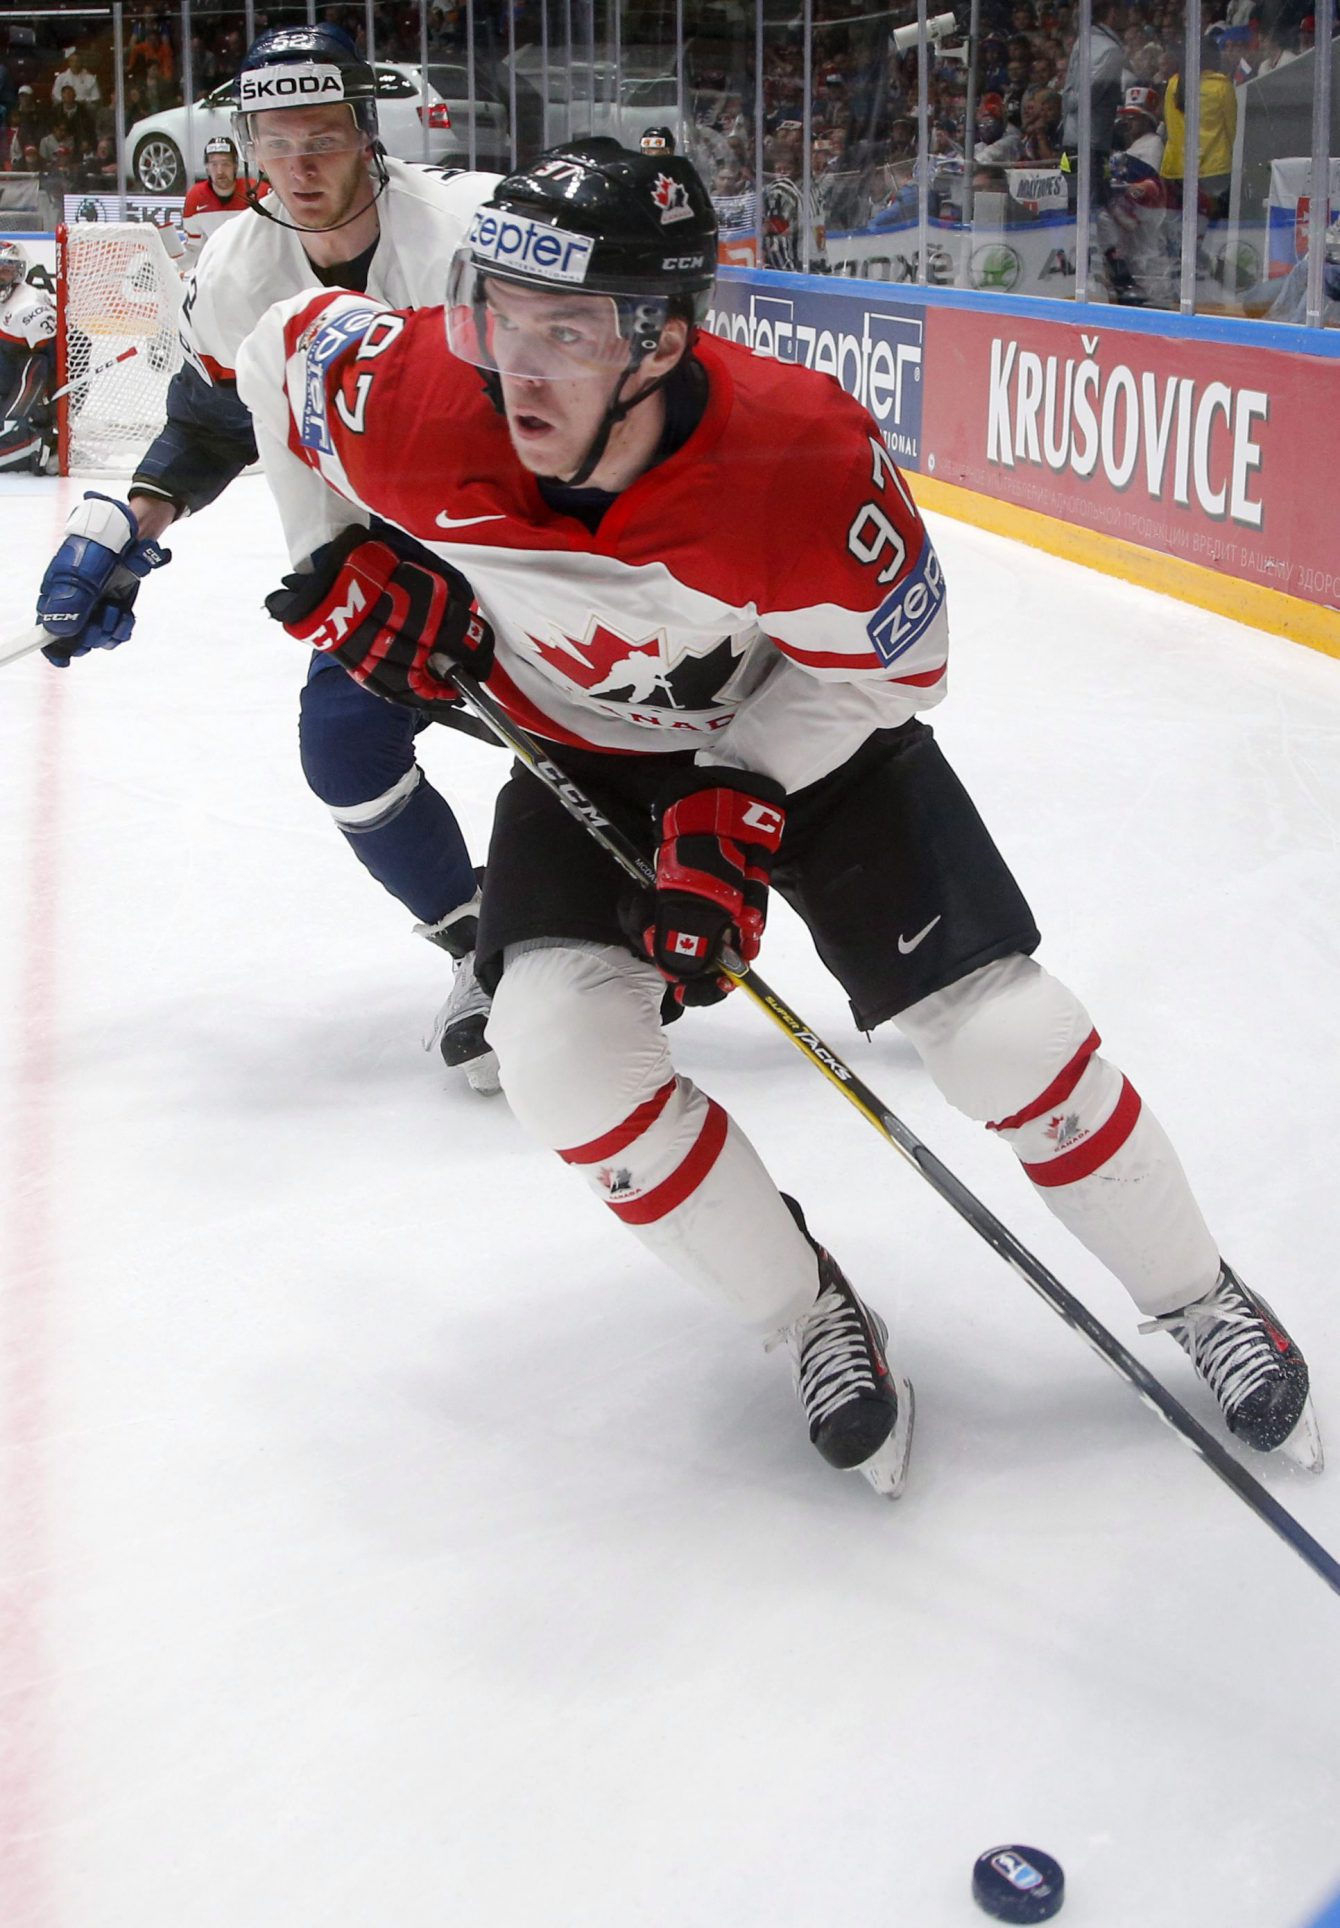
point(672, 198)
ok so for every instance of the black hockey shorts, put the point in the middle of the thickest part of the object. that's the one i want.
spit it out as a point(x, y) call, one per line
point(886, 860)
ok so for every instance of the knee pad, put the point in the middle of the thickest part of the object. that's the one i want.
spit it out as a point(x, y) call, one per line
point(357, 751)
point(578, 1037)
point(1001, 1038)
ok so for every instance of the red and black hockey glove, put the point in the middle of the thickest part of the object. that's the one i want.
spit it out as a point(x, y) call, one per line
point(718, 833)
point(384, 616)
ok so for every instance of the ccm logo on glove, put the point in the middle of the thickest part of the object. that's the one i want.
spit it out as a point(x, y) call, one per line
point(761, 817)
point(384, 616)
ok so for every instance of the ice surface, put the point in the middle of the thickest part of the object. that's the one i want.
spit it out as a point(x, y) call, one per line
point(385, 1543)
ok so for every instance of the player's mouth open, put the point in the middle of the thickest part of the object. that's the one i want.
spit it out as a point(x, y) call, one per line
point(526, 424)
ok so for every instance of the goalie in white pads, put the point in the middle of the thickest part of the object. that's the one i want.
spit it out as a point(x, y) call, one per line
point(27, 356)
point(340, 214)
point(740, 692)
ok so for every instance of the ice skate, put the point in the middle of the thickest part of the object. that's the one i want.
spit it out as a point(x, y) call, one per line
point(860, 1409)
point(458, 1029)
point(1252, 1366)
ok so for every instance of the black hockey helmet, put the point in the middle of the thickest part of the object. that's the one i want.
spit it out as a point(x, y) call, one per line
point(657, 140)
point(593, 219)
point(307, 66)
point(593, 216)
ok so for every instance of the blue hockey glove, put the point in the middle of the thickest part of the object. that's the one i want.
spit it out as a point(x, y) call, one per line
point(88, 592)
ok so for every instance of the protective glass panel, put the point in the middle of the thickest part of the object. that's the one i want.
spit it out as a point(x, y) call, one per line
point(1013, 224)
point(778, 228)
point(58, 115)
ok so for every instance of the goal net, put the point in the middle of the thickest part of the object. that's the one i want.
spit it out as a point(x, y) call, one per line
point(118, 301)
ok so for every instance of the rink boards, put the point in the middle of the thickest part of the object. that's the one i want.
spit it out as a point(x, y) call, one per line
point(1184, 455)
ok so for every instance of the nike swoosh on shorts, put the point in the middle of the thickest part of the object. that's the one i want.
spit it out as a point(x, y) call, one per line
point(908, 944)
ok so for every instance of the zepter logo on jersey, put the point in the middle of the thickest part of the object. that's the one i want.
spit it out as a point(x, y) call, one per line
point(908, 611)
point(302, 83)
point(515, 241)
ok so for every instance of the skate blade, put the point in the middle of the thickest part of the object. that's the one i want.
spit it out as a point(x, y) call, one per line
point(1303, 1446)
point(482, 1074)
point(886, 1470)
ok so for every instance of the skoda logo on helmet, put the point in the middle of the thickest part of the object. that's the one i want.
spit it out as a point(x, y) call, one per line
point(302, 83)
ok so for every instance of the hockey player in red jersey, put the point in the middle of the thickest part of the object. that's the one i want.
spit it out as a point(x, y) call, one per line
point(698, 574)
point(211, 203)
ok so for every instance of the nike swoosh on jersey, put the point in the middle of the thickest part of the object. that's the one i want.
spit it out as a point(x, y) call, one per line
point(908, 944)
point(464, 521)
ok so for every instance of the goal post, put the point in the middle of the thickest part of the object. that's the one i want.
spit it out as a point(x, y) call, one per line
point(117, 290)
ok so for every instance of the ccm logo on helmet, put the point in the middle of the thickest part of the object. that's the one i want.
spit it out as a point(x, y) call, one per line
point(303, 81)
point(670, 262)
point(513, 241)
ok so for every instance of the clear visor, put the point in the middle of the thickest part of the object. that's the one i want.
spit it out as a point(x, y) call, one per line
point(543, 334)
point(264, 142)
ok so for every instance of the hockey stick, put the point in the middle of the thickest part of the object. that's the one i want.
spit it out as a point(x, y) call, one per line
point(891, 1128)
point(82, 381)
point(23, 644)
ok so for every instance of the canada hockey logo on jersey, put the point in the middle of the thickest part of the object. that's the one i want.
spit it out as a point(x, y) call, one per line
point(627, 671)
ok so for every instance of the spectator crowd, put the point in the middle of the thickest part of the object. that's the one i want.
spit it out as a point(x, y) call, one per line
point(1020, 84)
point(1022, 87)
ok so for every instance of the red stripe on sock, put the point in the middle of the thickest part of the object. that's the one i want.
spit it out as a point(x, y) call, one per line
point(1087, 1157)
point(1057, 1091)
point(686, 1176)
point(623, 1134)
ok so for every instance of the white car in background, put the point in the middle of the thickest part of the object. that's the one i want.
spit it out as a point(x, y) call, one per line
point(166, 152)
point(573, 98)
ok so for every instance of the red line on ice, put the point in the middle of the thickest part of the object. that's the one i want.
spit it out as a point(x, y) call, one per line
point(29, 1284)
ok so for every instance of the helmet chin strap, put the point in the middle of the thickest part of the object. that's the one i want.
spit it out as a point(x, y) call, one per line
point(613, 415)
point(261, 204)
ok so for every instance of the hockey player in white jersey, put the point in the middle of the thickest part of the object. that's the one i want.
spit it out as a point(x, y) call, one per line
point(339, 213)
point(27, 350)
point(628, 492)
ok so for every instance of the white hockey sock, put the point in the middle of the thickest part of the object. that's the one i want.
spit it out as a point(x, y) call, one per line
point(586, 1070)
point(1103, 1164)
point(1013, 1048)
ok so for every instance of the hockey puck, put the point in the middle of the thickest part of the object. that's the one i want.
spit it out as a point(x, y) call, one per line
point(1018, 1884)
